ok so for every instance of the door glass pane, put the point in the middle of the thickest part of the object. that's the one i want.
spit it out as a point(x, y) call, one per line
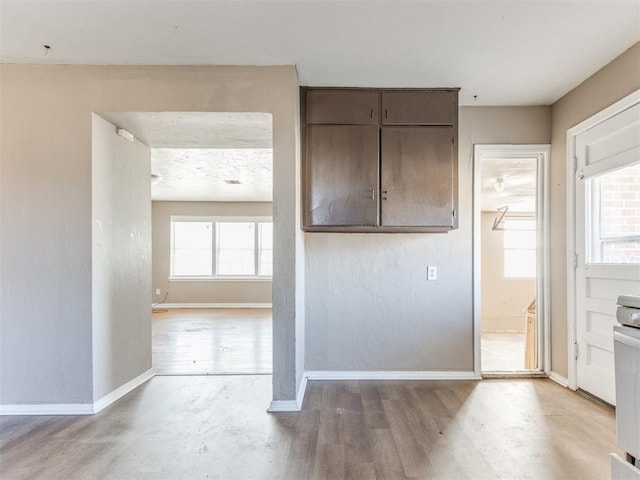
point(614, 216)
point(192, 249)
point(236, 248)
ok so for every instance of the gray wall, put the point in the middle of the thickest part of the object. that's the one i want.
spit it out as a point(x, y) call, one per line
point(369, 306)
point(611, 83)
point(45, 209)
point(184, 291)
point(121, 258)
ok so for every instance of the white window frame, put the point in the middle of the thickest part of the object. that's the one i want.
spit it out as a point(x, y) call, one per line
point(215, 220)
point(597, 240)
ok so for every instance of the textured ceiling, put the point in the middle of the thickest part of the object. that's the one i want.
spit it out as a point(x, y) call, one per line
point(194, 155)
point(201, 174)
point(519, 52)
point(519, 176)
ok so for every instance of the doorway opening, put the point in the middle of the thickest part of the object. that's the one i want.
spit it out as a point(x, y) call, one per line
point(212, 239)
point(510, 259)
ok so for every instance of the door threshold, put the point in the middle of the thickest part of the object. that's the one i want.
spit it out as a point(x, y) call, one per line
point(515, 374)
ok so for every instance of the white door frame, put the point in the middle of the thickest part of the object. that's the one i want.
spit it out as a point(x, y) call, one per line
point(542, 154)
point(572, 133)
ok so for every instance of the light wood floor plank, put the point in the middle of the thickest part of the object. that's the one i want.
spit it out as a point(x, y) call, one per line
point(217, 428)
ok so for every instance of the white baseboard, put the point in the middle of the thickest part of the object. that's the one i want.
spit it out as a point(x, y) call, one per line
point(290, 405)
point(559, 379)
point(296, 405)
point(301, 391)
point(47, 409)
point(122, 391)
point(212, 305)
point(76, 408)
point(391, 375)
point(283, 406)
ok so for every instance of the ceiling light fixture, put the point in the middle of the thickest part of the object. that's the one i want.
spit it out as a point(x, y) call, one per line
point(499, 185)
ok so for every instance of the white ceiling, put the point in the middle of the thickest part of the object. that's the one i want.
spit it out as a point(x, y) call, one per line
point(519, 177)
point(195, 154)
point(519, 52)
point(201, 174)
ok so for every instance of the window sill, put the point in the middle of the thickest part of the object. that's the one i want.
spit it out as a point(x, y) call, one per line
point(229, 278)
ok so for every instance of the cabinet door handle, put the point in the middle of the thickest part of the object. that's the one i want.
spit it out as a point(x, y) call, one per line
point(373, 194)
point(386, 113)
point(372, 113)
point(384, 194)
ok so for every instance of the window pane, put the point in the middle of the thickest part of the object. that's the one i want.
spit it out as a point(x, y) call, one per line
point(192, 249)
point(520, 234)
point(520, 263)
point(614, 213)
point(620, 202)
point(266, 248)
point(236, 248)
point(621, 252)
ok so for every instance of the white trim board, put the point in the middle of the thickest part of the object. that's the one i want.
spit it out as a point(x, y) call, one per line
point(77, 408)
point(599, 117)
point(391, 375)
point(212, 305)
point(290, 405)
point(121, 391)
point(542, 153)
point(47, 409)
point(560, 380)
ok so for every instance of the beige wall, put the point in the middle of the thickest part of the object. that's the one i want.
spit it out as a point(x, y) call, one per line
point(46, 214)
point(121, 258)
point(369, 306)
point(613, 82)
point(503, 299)
point(231, 292)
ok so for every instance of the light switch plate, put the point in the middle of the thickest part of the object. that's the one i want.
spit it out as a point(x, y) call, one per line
point(157, 291)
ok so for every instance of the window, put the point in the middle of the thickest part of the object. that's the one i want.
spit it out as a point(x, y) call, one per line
point(192, 249)
point(614, 216)
point(520, 248)
point(221, 247)
point(236, 248)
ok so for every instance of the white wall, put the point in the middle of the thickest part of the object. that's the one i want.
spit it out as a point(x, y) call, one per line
point(46, 218)
point(504, 300)
point(200, 291)
point(369, 306)
point(121, 258)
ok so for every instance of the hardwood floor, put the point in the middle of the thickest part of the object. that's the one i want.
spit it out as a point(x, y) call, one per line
point(217, 428)
point(212, 341)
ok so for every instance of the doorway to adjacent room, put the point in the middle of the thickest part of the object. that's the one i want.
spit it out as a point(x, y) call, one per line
point(510, 258)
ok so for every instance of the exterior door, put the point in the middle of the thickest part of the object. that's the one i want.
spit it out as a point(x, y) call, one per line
point(607, 233)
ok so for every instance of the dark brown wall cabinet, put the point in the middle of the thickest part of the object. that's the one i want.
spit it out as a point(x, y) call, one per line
point(380, 160)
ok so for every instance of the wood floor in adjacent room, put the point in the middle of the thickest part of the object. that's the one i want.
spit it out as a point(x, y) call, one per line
point(212, 341)
point(204, 427)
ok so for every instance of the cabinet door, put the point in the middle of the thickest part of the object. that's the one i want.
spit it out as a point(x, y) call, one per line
point(345, 107)
point(417, 176)
point(341, 175)
point(436, 107)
